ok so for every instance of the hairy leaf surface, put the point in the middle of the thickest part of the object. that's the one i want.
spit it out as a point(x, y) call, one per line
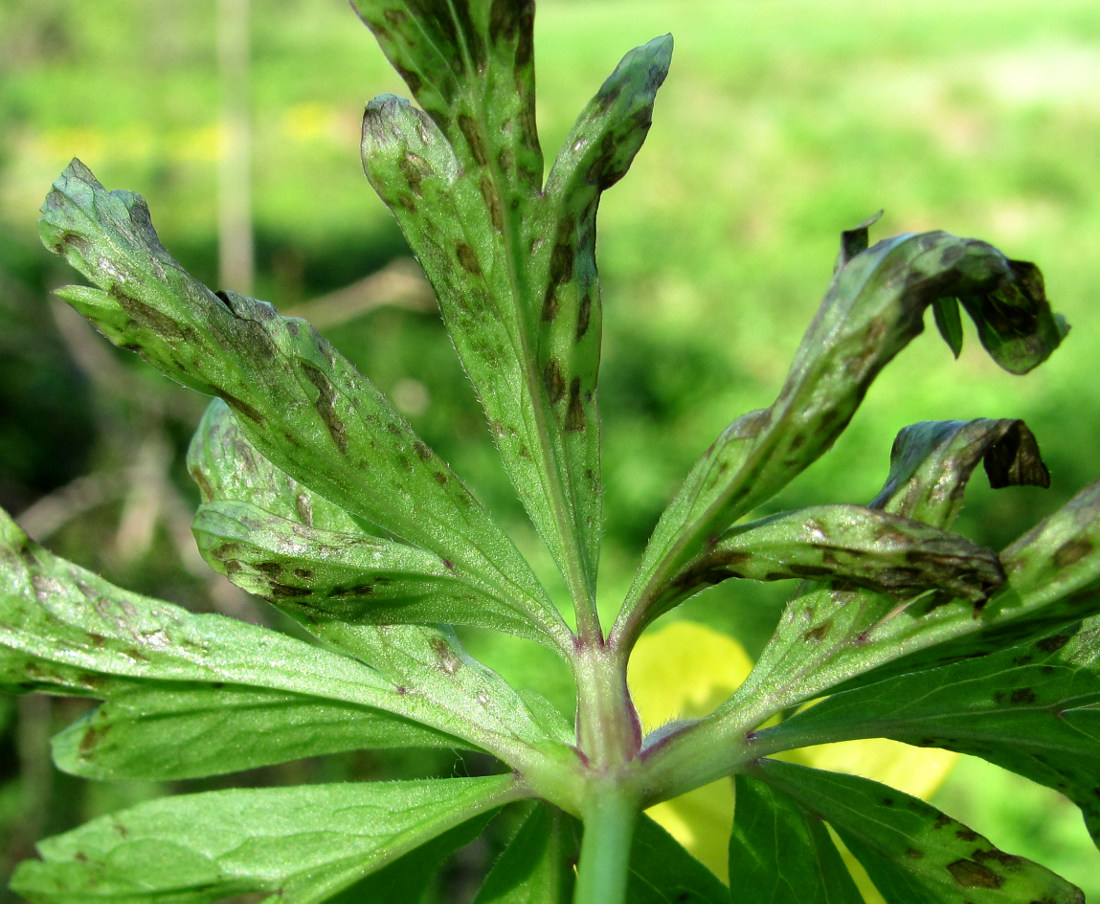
point(298, 844)
point(299, 401)
point(849, 544)
point(68, 631)
point(874, 308)
point(272, 536)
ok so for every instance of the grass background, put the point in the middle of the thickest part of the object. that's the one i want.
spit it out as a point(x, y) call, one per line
point(781, 124)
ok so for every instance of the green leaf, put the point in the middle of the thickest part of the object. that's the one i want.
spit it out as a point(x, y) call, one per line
point(597, 153)
point(931, 463)
point(65, 630)
point(911, 851)
point(442, 682)
point(949, 323)
point(872, 310)
point(849, 544)
point(537, 865)
point(833, 638)
point(273, 537)
point(171, 731)
point(1032, 708)
point(471, 67)
point(662, 872)
point(780, 853)
point(299, 845)
point(514, 271)
point(68, 631)
point(301, 403)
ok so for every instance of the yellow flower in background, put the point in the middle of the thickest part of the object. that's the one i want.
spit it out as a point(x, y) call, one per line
point(684, 671)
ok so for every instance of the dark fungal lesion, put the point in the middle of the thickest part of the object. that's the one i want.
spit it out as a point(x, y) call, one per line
point(467, 259)
point(574, 414)
point(554, 380)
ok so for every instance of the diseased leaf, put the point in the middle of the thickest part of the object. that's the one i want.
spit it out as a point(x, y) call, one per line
point(537, 865)
point(911, 851)
point(68, 631)
point(931, 463)
point(427, 663)
point(471, 67)
point(1033, 708)
point(272, 536)
point(298, 844)
point(514, 270)
point(169, 731)
point(850, 544)
point(65, 630)
point(872, 310)
point(597, 153)
point(1014, 320)
point(300, 402)
point(662, 872)
point(780, 853)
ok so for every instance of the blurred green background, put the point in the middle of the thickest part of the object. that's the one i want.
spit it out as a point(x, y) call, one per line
point(782, 123)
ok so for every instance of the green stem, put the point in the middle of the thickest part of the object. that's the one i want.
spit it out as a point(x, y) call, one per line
point(604, 867)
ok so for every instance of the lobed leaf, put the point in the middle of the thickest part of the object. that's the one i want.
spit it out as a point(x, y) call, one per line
point(67, 631)
point(302, 404)
point(271, 536)
point(562, 236)
point(848, 544)
point(471, 67)
point(1033, 708)
point(911, 851)
point(298, 845)
point(514, 269)
point(872, 310)
point(426, 661)
point(779, 853)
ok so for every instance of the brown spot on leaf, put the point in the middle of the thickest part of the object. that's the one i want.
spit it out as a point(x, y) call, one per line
point(1072, 552)
point(492, 203)
point(561, 262)
point(326, 405)
point(1022, 695)
point(413, 168)
point(445, 656)
point(584, 316)
point(282, 591)
point(554, 380)
point(574, 414)
point(1053, 644)
point(550, 304)
point(467, 258)
point(969, 874)
point(470, 132)
point(440, 478)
